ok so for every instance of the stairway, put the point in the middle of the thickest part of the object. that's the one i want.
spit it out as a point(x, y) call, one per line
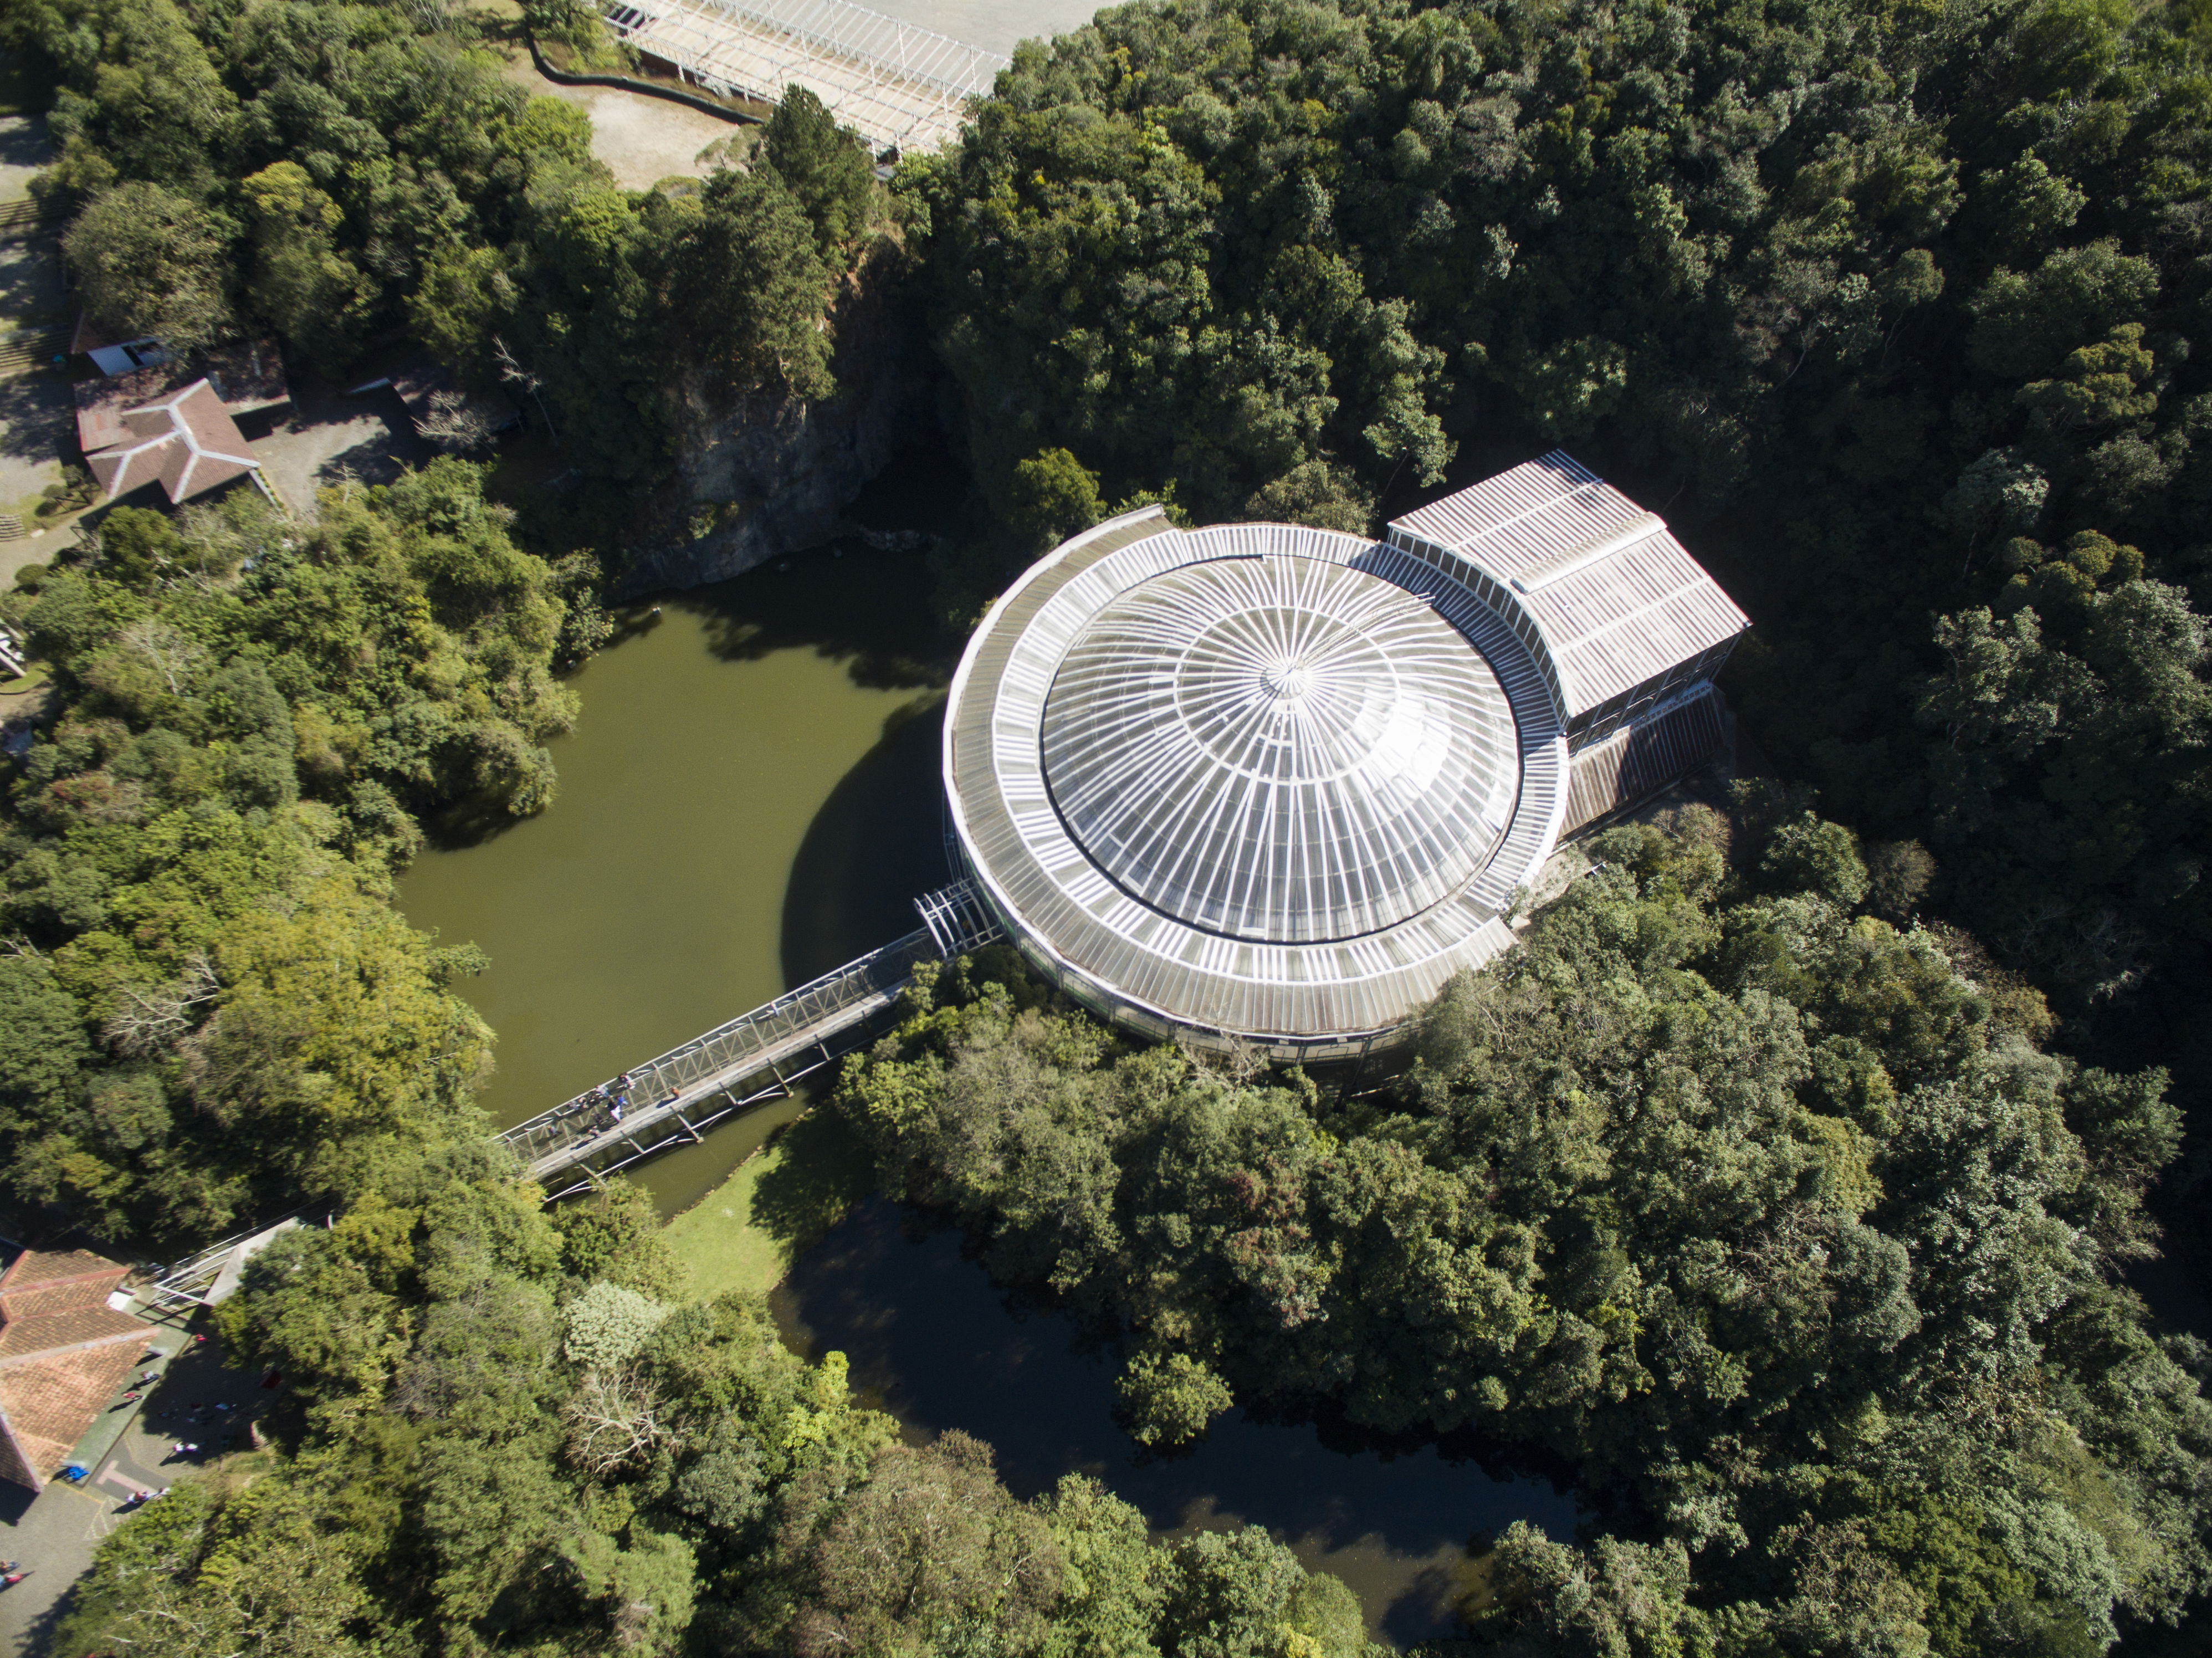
point(26, 350)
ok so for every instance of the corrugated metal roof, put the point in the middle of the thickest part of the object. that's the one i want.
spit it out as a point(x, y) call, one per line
point(1152, 968)
point(1662, 746)
point(1616, 599)
point(1279, 748)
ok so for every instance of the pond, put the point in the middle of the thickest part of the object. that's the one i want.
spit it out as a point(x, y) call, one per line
point(932, 1340)
point(751, 799)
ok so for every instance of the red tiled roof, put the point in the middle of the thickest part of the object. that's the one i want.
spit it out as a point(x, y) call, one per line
point(44, 1265)
point(37, 1284)
point(101, 403)
point(47, 1404)
point(246, 375)
point(186, 441)
point(16, 1462)
point(24, 1339)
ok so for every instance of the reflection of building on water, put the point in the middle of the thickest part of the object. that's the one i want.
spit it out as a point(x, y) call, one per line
point(1277, 783)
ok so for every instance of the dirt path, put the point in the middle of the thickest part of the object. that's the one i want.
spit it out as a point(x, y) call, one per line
point(642, 139)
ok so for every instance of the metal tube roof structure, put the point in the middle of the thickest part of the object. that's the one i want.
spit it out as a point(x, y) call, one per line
point(1277, 784)
point(901, 86)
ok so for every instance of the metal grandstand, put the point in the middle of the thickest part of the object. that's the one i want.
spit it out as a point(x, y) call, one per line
point(901, 87)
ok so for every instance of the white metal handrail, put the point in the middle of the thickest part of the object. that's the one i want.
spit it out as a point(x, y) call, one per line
point(897, 83)
point(812, 1011)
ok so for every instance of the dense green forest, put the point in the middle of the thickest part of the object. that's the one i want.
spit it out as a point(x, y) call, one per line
point(522, 1438)
point(1779, 1227)
point(1890, 308)
point(1797, 1225)
point(209, 1012)
point(339, 171)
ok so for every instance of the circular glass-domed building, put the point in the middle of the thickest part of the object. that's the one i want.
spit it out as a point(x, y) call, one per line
point(1277, 783)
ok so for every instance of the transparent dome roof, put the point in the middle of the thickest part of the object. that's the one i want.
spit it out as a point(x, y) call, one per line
point(1279, 748)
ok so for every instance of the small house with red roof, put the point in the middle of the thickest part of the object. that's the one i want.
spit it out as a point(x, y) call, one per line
point(65, 1350)
point(186, 441)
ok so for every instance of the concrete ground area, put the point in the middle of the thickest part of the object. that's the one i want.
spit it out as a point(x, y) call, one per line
point(332, 436)
point(642, 138)
point(38, 421)
point(24, 149)
point(34, 292)
point(993, 24)
point(54, 1533)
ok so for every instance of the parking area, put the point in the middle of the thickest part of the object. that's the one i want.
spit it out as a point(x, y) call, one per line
point(194, 1400)
point(332, 437)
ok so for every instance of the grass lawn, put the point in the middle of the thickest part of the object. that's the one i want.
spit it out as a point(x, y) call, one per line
point(746, 1233)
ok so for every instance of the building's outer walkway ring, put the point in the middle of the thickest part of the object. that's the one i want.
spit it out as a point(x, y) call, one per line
point(1141, 968)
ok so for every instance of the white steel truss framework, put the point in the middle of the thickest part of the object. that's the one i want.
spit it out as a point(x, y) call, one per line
point(671, 1100)
point(902, 88)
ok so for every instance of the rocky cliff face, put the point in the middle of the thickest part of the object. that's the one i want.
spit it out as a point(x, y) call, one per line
point(760, 476)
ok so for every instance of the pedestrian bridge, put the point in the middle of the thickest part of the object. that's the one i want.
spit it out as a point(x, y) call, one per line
point(674, 1099)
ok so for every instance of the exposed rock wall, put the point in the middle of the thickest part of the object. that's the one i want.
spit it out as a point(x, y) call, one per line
point(760, 476)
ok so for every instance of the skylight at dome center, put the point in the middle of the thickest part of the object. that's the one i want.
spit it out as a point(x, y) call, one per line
point(1279, 748)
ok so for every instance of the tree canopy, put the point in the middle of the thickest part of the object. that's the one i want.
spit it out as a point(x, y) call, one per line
point(215, 1014)
point(1892, 310)
point(1778, 1225)
point(521, 1436)
point(1781, 1181)
point(332, 169)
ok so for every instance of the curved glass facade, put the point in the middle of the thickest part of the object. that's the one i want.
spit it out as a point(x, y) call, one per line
point(1254, 781)
point(1279, 748)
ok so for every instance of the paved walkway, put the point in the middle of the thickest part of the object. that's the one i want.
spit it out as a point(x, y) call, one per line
point(37, 420)
point(130, 1449)
point(24, 149)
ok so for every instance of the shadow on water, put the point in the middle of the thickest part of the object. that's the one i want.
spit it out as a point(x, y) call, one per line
point(825, 1171)
point(872, 608)
point(935, 1342)
point(876, 846)
point(867, 608)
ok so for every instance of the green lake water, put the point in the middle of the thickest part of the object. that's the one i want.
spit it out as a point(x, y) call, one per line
point(750, 799)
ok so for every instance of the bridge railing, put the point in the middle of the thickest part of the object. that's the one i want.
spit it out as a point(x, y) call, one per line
point(705, 1061)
